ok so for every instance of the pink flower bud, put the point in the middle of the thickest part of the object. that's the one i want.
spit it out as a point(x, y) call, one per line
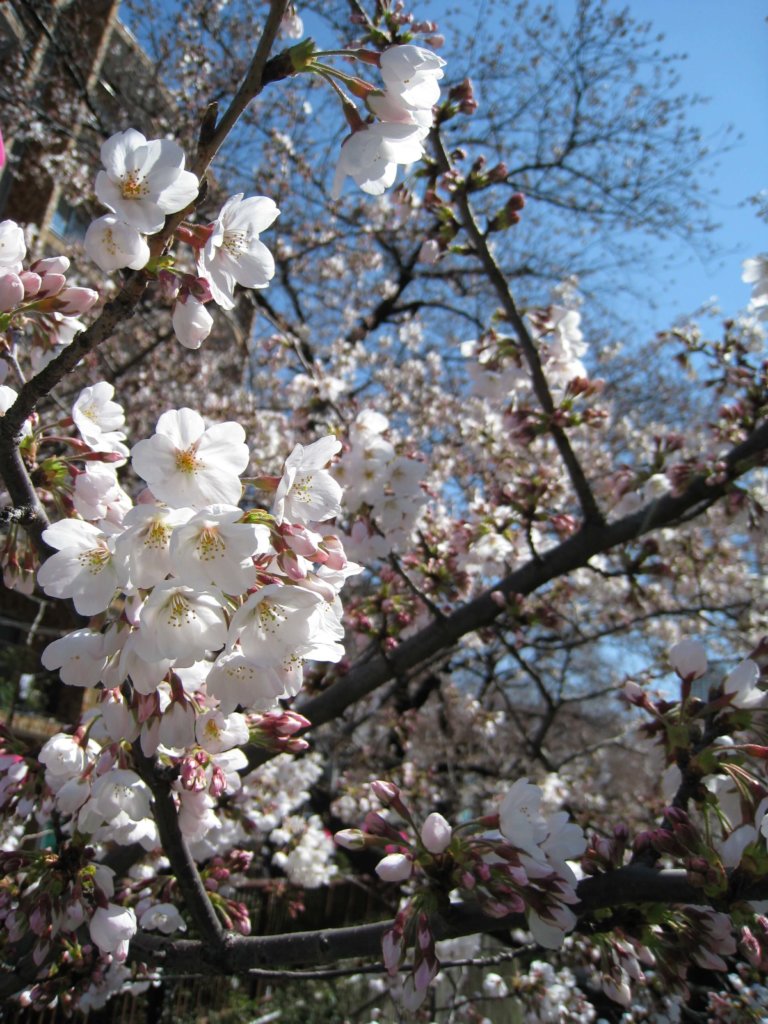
point(218, 781)
point(386, 792)
point(191, 321)
point(392, 950)
point(332, 553)
point(436, 833)
point(76, 300)
point(634, 693)
point(31, 282)
point(11, 292)
point(51, 285)
point(395, 867)
point(350, 839)
point(51, 265)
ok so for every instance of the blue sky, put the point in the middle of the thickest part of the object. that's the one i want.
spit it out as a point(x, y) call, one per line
point(727, 48)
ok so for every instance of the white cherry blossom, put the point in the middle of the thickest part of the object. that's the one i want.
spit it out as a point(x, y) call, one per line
point(98, 419)
point(143, 181)
point(278, 624)
point(112, 928)
point(755, 272)
point(370, 156)
point(307, 492)
point(520, 821)
point(217, 732)
point(177, 725)
point(186, 464)
point(237, 682)
point(179, 622)
point(411, 73)
point(13, 248)
point(98, 495)
point(215, 549)
point(145, 675)
point(112, 244)
point(142, 550)
point(688, 658)
point(234, 253)
point(743, 684)
point(64, 757)
point(83, 567)
point(164, 917)
point(79, 656)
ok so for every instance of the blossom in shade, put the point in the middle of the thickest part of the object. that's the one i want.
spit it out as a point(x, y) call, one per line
point(234, 254)
point(143, 181)
point(370, 156)
point(163, 917)
point(112, 928)
point(65, 758)
point(688, 658)
point(112, 244)
point(191, 321)
point(186, 464)
point(743, 685)
point(519, 819)
point(79, 656)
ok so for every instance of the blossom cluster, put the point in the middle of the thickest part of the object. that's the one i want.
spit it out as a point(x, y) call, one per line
point(500, 372)
point(37, 299)
point(371, 154)
point(141, 184)
point(382, 489)
point(206, 611)
point(511, 862)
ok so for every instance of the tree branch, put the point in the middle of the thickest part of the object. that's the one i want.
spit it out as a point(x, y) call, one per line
point(375, 669)
point(634, 883)
point(589, 508)
point(182, 863)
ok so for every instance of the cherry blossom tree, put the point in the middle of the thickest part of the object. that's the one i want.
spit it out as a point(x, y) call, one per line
point(376, 570)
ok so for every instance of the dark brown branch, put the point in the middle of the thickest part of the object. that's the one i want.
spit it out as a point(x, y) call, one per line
point(255, 79)
point(182, 863)
point(635, 883)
